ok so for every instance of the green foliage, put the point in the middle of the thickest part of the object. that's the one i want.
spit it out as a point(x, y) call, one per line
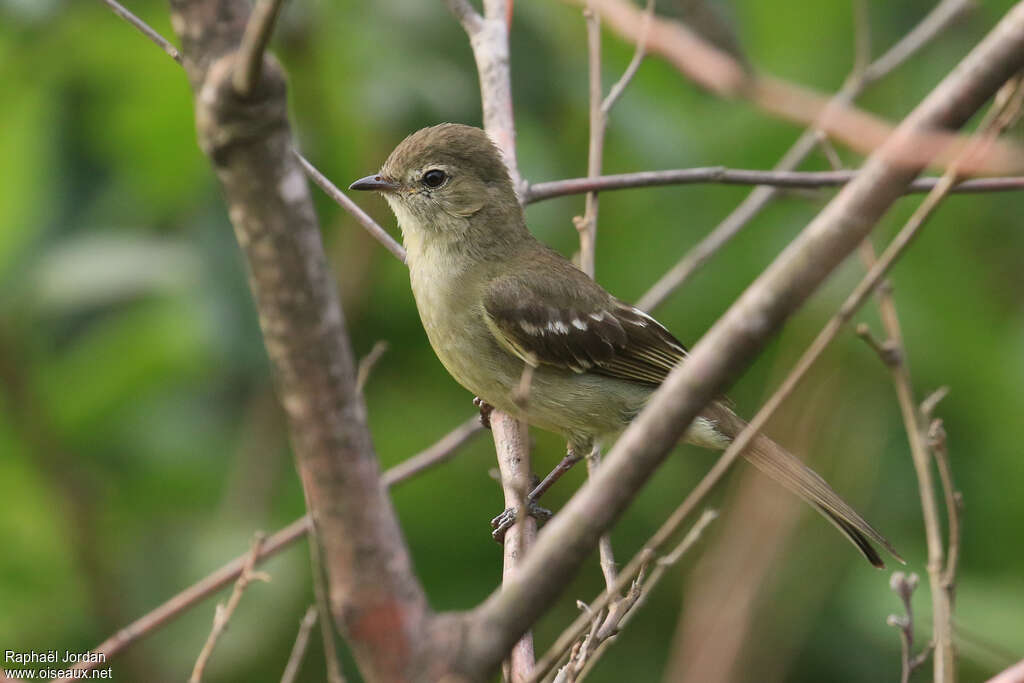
point(139, 443)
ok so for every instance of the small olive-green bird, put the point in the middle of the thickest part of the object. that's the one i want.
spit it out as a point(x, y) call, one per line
point(494, 301)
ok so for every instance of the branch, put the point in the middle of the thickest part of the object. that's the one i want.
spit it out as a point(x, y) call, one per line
point(488, 37)
point(510, 440)
point(655, 545)
point(291, 669)
point(371, 226)
point(999, 117)
point(717, 71)
point(145, 28)
point(934, 23)
point(904, 586)
point(442, 451)
point(251, 148)
point(257, 34)
point(222, 614)
point(736, 176)
point(729, 347)
point(587, 652)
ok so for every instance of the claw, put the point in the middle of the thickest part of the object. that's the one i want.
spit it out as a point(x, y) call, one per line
point(485, 411)
point(507, 519)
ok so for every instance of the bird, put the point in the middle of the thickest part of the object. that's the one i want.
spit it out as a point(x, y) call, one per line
point(504, 312)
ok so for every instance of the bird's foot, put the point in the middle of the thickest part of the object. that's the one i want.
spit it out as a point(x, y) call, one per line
point(507, 519)
point(485, 409)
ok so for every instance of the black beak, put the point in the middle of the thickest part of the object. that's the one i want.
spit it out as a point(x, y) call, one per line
point(376, 183)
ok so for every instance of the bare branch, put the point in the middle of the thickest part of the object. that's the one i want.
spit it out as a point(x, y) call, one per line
point(291, 669)
point(379, 233)
point(718, 72)
point(729, 346)
point(735, 176)
point(323, 607)
point(442, 451)
point(467, 16)
point(192, 595)
point(587, 225)
point(904, 586)
point(1014, 674)
point(445, 448)
point(632, 573)
point(332, 191)
point(615, 92)
point(996, 120)
point(367, 363)
point(223, 612)
point(254, 43)
point(510, 442)
point(940, 18)
point(121, 11)
point(953, 500)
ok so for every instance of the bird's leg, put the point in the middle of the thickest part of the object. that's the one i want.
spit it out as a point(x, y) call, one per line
point(506, 519)
point(485, 411)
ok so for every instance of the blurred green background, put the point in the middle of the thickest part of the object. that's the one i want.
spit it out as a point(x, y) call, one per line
point(141, 446)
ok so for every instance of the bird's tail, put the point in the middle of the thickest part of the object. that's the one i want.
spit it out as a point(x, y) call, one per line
point(791, 472)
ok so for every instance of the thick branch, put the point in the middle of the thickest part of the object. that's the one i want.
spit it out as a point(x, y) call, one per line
point(730, 346)
point(376, 599)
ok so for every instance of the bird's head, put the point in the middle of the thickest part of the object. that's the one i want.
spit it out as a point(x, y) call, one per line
point(443, 180)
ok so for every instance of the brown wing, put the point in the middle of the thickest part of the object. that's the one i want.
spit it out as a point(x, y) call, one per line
point(578, 326)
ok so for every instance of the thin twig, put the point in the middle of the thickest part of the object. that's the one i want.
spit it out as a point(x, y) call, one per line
point(604, 546)
point(291, 669)
point(488, 37)
point(1001, 115)
point(861, 38)
point(371, 226)
point(721, 175)
point(510, 441)
point(953, 501)
point(443, 450)
point(165, 45)
point(649, 553)
point(615, 92)
point(467, 16)
point(367, 362)
point(254, 43)
point(323, 608)
point(644, 585)
point(940, 18)
point(223, 612)
point(718, 72)
point(904, 586)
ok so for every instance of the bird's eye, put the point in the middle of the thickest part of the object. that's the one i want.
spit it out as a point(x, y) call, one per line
point(434, 177)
